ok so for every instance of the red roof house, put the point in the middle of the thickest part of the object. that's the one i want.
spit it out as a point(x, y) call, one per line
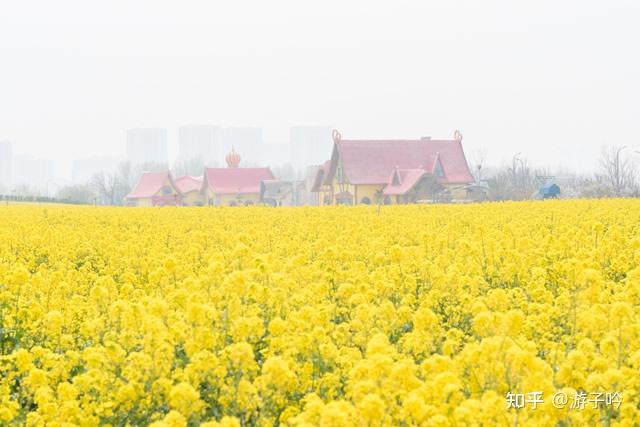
point(320, 174)
point(187, 184)
point(155, 189)
point(403, 180)
point(234, 185)
point(235, 181)
point(190, 187)
point(393, 167)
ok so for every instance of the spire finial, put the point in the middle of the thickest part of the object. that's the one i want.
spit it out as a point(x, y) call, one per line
point(233, 158)
point(336, 135)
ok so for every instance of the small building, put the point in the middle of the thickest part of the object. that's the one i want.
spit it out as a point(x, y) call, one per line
point(318, 185)
point(549, 190)
point(277, 193)
point(233, 185)
point(478, 192)
point(190, 187)
point(392, 171)
point(155, 189)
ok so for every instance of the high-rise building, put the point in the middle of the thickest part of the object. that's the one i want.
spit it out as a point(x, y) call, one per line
point(198, 143)
point(147, 146)
point(6, 163)
point(310, 145)
point(276, 153)
point(33, 172)
point(245, 140)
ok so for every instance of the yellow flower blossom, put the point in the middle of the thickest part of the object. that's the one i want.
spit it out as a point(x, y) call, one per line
point(404, 315)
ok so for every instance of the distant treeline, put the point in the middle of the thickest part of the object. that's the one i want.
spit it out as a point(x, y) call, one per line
point(5, 198)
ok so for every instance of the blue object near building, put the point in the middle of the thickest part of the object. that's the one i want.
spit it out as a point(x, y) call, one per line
point(549, 191)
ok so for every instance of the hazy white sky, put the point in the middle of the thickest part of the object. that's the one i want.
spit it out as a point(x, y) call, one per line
point(554, 80)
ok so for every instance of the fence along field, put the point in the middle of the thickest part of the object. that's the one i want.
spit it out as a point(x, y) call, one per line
point(414, 315)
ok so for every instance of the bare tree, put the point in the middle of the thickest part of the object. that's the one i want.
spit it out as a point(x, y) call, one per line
point(111, 188)
point(76, 194)
point(516, 182)
point(128, 177)
point(593, 187)
point(617, 170)
point(477, 163)
point(105, 186)
point(522, 179)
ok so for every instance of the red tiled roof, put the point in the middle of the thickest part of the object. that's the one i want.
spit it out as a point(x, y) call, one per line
point(150, 184)
point(403, 180)
point(371, 161)
point(235, 180)
point(320, 173)
point(188, 183)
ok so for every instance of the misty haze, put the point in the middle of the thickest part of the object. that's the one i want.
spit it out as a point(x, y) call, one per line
point(337, 213)
point(549, 87)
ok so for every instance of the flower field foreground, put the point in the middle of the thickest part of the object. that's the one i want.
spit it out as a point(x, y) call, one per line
point(418, 315)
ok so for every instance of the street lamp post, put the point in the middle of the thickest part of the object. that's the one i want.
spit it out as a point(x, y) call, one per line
point(518, 181)
point(617, 171)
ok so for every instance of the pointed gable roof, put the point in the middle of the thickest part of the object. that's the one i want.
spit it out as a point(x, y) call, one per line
point(150, 184)
point(321, 172)
point(188, 183)
point(235, 180)
point(403, 180)
point(371, 161)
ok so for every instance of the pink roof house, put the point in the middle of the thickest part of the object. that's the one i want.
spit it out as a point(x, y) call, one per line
point(155, 189)
point(390, 168)
point(190, 187)
point(187, 184)
point(234, 185)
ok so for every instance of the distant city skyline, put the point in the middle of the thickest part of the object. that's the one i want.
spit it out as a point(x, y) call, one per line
point(302, 147)
point(552, 80)
point(310, 145)
point(33, 171)
point(147, 145)
point(197, 141)
point(84, 168)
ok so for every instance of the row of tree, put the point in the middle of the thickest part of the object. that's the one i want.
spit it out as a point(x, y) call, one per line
point(617, 176)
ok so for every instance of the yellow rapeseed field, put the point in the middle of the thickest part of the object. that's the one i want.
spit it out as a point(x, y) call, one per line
point(492, 314)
